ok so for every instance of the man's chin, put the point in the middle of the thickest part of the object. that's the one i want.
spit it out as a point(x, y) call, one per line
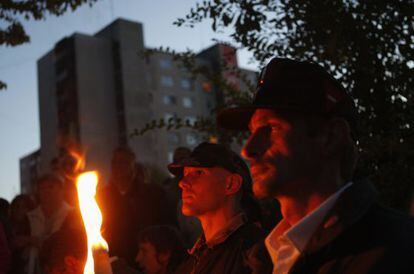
point(187, 211)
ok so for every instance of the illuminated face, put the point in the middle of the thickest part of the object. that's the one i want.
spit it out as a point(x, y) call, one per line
point(50, 193)
point(203, 189)
point(149, 260)
point(282, 156)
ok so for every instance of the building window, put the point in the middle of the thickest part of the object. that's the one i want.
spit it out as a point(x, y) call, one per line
point(167, 81)
point(173, 138)
point(187, 102)
point(169, 100)
point(165, 63)
point(206, 87)
point(190, 119)
point(168, 116)
point(191, 139)
point(170, 157)
point(185, 83)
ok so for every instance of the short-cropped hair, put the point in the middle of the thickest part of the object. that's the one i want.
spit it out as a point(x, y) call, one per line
point(165, 238)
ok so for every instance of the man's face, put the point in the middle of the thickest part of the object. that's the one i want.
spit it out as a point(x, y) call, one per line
point(123, 169)
point(50, 193)
point(282, 156)
point(67, 165)
point(149, 259)
point(203, 189)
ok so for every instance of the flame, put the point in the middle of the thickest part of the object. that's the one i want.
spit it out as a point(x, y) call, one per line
point(80, 160)
point(91, 215)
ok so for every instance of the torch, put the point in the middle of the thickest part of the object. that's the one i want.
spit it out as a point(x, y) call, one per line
point(97, 255)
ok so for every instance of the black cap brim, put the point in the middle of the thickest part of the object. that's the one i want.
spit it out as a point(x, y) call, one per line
point(238, 118)
point(177, 169)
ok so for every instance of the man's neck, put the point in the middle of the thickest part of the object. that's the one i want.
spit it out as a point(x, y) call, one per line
point(299, 204)
point(213, 222)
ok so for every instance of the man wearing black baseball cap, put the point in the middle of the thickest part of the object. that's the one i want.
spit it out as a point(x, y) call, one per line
point(215, 182)
point(302, 152)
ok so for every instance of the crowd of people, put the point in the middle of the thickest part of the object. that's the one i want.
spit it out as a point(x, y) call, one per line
point(295, 208)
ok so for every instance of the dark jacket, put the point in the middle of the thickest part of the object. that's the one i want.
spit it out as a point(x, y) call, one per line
point(359, 236)
point(239, 249)
point(125, 215)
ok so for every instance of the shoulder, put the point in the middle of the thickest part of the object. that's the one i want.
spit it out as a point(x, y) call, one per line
point(251, 232)
point(251, 237)
point(384, 231)
point(186, 265)
point(382, 240)
point(391, 224)
point(35, 213)
point(256, 256)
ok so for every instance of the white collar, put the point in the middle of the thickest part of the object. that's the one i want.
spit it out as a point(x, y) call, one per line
point(299, 234)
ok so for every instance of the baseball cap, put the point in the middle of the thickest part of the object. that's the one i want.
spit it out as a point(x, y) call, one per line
point(290, 85)
point(214, 155)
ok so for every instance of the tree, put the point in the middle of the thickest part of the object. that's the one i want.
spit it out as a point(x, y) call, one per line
point(13, 12)
point(367, 45)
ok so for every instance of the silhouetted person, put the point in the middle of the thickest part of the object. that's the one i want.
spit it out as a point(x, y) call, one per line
point(67, 168)
point(47, 217)
point(5, 252)
point(65, 250)
point(214, 182)
point(302, 152)
point(129, 204)
point(4, 208)
point(161, 250)
point(19, 207)
point(5, 220)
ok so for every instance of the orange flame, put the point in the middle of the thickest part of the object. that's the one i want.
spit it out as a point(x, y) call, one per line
point(91, 215)
point(80, 160)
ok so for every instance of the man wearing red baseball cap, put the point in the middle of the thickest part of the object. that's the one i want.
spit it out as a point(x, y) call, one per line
point(302, 152)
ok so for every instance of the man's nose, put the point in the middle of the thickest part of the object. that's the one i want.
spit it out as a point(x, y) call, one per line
point(257, 144)
point(184, 183)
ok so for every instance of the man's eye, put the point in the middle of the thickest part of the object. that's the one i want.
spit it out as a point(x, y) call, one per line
point(275, 127)
point(197, 172)
point(194, 173)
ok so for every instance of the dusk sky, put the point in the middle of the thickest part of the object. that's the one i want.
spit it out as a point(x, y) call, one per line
point(19, 116)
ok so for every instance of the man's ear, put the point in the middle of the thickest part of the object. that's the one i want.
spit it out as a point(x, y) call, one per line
point(164, 257)
point(337, 131)
point(70, 261)
point(233, 183)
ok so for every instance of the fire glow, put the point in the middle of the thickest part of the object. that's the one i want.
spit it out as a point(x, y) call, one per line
point(91, 215)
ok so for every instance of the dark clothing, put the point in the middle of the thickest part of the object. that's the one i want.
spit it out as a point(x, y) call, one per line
point(21, 229)
point(237, 249)
point(359, 236)
point(120, 266)
point(5, 254)
point(125, 215)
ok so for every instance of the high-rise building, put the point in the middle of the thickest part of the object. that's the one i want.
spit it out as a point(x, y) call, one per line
point(95, 90)
point(29, 171)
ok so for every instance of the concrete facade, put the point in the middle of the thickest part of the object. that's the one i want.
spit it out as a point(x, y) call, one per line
point(95, 90)
point(29, 172)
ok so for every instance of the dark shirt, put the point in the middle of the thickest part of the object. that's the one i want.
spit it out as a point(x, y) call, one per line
point(363, 237)
point(124, 215)
point(238, 249)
